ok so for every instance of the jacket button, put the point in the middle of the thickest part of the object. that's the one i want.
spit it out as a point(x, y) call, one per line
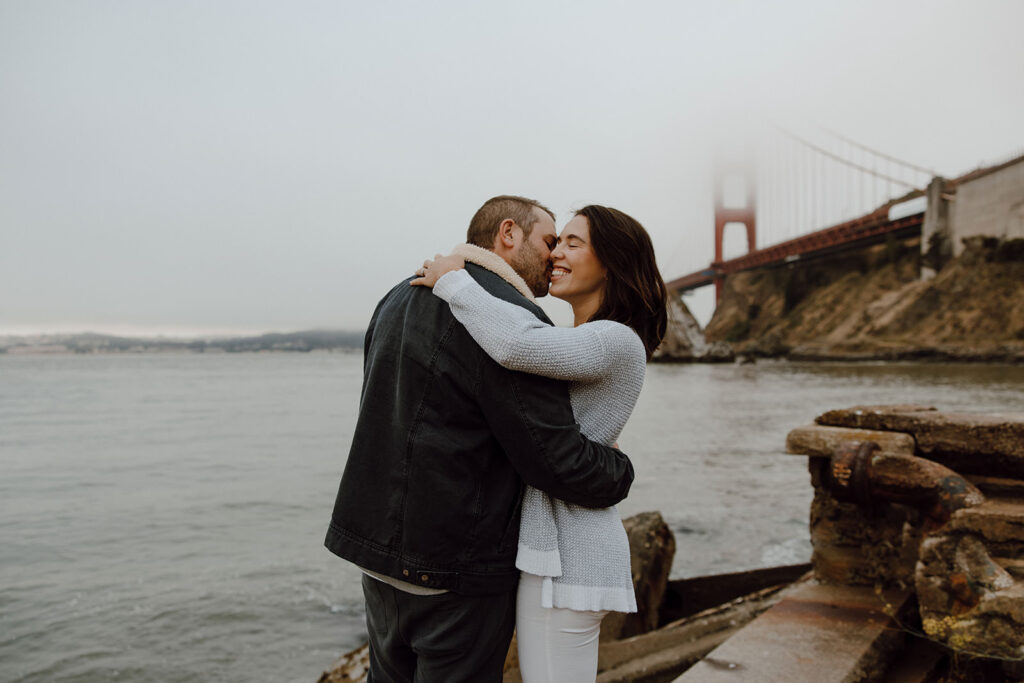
point(405, 572)
point(424, 577)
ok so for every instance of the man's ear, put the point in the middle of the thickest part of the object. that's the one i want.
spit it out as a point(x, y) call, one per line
point(506, 233)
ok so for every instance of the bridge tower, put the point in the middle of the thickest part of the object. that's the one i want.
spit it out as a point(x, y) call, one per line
point(726, 215)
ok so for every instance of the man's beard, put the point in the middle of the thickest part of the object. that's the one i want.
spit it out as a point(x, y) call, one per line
point(532, 268)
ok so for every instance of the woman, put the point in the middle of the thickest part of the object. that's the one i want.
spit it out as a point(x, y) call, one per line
point(574, 561)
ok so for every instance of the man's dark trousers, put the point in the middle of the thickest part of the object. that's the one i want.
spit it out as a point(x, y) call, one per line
point(445, 638)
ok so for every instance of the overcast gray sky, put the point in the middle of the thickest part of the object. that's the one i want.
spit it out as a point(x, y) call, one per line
point(250, 166)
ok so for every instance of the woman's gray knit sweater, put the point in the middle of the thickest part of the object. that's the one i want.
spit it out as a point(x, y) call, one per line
point(583, 553)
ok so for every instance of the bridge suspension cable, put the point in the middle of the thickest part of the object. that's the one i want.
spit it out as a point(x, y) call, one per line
point(804, 183)
point(851, 164)
point(883, 155)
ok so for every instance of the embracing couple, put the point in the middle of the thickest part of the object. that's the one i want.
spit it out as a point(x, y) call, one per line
point(479, 491)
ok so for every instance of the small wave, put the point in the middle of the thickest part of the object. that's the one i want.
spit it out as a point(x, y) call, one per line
point(792, 551)
point(259, 504)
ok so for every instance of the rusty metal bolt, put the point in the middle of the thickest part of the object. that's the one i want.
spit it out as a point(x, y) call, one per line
point(848, 476)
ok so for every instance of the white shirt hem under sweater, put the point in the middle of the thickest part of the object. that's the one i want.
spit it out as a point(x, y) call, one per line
point(582, 553)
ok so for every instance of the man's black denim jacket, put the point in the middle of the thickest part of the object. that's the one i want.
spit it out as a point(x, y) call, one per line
point(444, 441)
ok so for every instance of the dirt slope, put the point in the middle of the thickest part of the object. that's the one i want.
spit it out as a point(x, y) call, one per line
point(871, 304)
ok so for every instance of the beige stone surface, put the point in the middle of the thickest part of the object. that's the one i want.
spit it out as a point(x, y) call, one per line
point(821, 441)
point(969, 443)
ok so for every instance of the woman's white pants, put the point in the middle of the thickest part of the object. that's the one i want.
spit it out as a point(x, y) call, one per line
point(556, 645)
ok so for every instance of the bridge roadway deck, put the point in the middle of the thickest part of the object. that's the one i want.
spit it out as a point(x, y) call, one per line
point(865, 230)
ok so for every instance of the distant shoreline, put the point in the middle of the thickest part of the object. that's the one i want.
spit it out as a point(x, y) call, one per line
point(56, 353)
point(91, 343)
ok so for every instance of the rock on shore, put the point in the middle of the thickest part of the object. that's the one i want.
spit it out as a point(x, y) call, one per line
point(684, 340)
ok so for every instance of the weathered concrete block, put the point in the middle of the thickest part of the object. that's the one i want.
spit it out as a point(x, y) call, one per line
point(988, 205)
point(962, 553)
point(826, 634)
point(821, 441)
point(852, 546)
point(967, 600)
point(968, 580)
point(991, 445)
point(999, 521)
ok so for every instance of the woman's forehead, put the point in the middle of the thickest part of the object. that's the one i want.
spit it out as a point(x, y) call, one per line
point(577, 227)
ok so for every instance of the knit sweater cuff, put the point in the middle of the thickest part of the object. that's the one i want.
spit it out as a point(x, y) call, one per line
point(539, 562)
point(590, 598)
point(449, 284)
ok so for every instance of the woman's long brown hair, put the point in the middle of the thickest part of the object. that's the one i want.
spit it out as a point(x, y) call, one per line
point(635, 293)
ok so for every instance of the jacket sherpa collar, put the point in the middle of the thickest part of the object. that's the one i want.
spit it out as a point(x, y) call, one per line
point(494, 263)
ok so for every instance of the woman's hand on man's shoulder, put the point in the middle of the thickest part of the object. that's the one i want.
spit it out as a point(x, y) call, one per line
point(432, 270)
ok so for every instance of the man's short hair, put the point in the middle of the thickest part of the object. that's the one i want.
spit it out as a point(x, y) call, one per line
point(484, 226)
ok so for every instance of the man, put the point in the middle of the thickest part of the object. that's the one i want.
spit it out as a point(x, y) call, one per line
point(428, 506)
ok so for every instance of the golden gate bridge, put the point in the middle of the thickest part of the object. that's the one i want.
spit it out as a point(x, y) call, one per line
point(804, 199)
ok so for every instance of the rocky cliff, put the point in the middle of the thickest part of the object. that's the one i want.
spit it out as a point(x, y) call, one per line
point(872, 304)
point(684, 340)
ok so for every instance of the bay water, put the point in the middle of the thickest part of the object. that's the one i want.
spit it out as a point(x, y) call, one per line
point(162, 515)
